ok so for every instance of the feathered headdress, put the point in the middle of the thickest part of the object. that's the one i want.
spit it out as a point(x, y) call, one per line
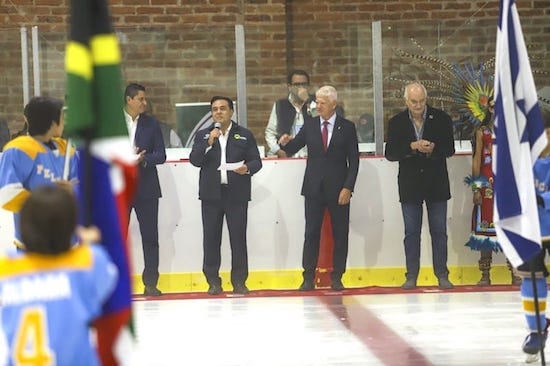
point(472, 90)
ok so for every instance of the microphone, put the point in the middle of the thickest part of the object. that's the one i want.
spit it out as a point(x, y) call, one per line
point(218, 127)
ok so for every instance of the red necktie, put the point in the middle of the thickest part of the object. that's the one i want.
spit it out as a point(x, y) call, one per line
point(324, 135)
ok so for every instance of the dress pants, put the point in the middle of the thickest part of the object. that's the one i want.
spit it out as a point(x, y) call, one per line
point(437, 220)
point(339, 218)
point(236, 216)
point(147, 216)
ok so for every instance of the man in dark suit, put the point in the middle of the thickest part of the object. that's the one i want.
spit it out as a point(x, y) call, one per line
point(421, 139)
point(146, 137)
point(225, 192)
point(329, 179)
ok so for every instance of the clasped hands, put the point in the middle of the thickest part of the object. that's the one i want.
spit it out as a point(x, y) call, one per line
point(423, 146)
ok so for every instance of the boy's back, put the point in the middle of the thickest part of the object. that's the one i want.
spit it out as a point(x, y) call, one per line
point(48, 302)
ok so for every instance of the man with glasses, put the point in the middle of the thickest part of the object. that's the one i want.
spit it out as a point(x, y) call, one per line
point(288, 114)
point(420, 138)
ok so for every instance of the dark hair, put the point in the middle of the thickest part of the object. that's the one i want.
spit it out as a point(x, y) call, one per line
point(48, 220)
point(218, 97)
point(41, 112)
point(296, 72)
point(132, 90)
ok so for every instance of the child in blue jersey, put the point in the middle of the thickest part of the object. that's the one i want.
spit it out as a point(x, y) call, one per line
point(52, 292)
point(37, 159)
point(541, 172)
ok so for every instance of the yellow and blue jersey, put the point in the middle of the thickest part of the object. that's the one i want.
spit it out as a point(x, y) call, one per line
point(27, 164)
point(48, 302)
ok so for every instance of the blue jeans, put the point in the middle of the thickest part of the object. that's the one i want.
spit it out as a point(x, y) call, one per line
point(437, 220)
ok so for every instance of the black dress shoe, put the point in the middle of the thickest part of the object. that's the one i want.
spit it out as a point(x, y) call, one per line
point(307, 286)
point(337, 285)
point(241, 289)
point(409, 284)
point(151, 291)
point(215, 289)
point(445, 284)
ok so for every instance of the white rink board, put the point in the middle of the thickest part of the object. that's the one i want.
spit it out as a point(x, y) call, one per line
point(276, 219)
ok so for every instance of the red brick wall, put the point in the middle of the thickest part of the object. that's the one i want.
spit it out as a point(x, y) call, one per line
point(183, 50)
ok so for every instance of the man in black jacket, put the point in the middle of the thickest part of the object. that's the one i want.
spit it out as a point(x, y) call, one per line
point(225, 192)
point(421, 139)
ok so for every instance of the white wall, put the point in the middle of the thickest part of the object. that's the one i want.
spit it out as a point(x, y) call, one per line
point(276, 219)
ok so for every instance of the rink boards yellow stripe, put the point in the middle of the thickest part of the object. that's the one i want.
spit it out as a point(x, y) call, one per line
point(354, 277)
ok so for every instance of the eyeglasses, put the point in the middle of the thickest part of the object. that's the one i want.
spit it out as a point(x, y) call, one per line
point(303, 85)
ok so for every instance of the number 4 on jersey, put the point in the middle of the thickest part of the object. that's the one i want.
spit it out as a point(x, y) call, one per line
point(31, 342)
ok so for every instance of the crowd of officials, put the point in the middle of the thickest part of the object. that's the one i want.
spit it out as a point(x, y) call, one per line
point(36, 187)
point(302, 124)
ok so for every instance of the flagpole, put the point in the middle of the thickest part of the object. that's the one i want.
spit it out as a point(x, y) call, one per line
point(67, 159)
point(537, 315)
point(86, 185)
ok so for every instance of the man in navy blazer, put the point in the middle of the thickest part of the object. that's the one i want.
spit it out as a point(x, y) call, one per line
point(420, 138)
point(225, 192)
point(146, 137)
point(329, 179)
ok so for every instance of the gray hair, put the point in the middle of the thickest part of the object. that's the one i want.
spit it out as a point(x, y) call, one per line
point(327, 91)
point(414, 84)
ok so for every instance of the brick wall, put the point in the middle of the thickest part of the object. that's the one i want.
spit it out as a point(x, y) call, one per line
point(183, 50)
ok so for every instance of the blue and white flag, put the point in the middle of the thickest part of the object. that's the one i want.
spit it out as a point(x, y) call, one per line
point(519, 139)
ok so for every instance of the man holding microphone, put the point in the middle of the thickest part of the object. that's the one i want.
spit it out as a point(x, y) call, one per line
point(228, 157)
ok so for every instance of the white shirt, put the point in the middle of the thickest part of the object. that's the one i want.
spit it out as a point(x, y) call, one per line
point(223, 144)
point(131, 124)
point(330, 127)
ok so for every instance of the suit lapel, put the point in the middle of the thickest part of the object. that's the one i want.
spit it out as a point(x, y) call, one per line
point(138, 133)
point(410, 126)
point(429, 120)
point(336, 131)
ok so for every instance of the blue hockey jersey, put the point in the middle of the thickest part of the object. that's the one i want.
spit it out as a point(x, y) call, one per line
point(48, 302)
point(26, 164)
